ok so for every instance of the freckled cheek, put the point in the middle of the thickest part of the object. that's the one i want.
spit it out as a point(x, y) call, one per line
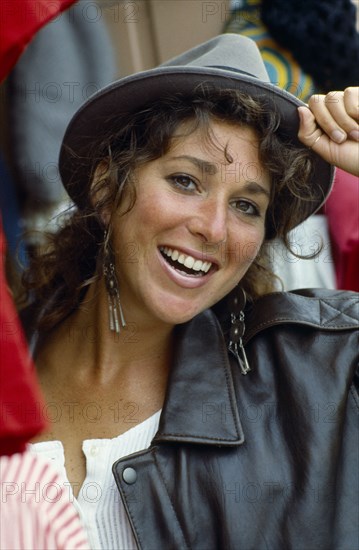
point(146, 222)
point(242, 250)
point(157, 213)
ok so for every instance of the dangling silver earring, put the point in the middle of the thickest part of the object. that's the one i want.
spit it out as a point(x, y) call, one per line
point(114, 305)
point(237, 302)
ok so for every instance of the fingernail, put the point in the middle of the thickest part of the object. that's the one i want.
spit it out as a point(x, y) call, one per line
point(354, 134)
point(338, 136)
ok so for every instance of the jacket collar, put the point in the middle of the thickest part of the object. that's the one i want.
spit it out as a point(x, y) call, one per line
point(200, 405)
point(327, 310)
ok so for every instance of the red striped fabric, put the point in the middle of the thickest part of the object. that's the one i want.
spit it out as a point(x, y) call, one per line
point(36, 510)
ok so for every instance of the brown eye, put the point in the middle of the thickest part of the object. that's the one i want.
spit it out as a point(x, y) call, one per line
point(246, 207)
point(183, 181)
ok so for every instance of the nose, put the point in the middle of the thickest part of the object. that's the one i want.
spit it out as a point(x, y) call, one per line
point(209, 221)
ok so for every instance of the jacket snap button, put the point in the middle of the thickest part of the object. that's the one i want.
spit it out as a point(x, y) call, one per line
point(129, 475)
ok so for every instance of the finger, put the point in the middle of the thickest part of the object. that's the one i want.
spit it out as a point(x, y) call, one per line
point(309, 133)
point(320, 109)
point(351, 101)
point(345, 155)
point(337, 107)
point(333, 113)
point(314, 138)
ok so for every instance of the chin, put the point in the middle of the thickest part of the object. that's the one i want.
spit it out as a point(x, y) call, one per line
point(177, 314)
point(178, 318)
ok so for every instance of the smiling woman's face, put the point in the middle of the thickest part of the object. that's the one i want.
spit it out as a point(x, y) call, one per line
point(197, 223)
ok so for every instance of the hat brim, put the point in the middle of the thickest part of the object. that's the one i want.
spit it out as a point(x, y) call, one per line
point(131, 93)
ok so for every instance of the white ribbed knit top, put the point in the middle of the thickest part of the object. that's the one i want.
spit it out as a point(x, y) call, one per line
point(99, 503)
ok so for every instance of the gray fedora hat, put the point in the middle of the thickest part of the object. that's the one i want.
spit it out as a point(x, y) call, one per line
point(226, 61)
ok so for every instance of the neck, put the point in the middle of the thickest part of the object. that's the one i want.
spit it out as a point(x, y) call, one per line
point(142, 346)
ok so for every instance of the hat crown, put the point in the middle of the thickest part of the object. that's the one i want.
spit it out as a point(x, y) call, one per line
point(241, 55)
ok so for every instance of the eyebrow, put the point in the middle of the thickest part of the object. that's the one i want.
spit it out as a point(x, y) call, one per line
point(211, 168)
point(204, 165)
point(256, 189)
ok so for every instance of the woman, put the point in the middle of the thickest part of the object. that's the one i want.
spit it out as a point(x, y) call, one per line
point(180, 176)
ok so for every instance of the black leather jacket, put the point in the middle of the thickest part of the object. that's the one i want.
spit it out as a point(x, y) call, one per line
point(263, 461)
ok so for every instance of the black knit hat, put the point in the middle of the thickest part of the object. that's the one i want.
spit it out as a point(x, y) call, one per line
point(321, 35)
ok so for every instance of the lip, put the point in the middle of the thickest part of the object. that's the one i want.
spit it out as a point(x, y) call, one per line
point(183, 280)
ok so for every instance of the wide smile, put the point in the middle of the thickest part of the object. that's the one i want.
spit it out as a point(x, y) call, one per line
point(184, 269)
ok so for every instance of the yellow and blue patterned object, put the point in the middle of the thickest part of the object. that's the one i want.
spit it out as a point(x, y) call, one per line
point(282, 68)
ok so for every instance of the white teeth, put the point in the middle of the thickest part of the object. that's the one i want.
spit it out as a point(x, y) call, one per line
point(198, 265)
point(187, 261)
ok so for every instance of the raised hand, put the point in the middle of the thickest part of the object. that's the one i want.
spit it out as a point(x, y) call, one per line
point(329, 126)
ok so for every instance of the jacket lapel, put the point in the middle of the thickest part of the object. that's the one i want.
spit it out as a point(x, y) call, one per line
point(200, 405)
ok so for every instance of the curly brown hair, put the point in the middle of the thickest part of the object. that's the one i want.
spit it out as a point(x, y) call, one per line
point(62, 270)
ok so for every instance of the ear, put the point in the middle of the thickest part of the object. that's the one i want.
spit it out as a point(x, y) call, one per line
point(98, 191)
